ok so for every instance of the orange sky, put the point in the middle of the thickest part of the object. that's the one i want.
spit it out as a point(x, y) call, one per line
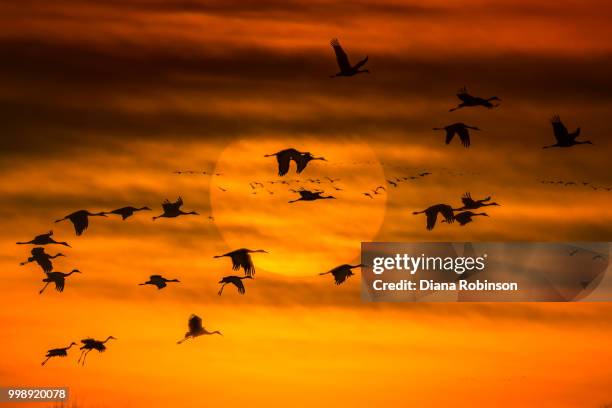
point(102, 102)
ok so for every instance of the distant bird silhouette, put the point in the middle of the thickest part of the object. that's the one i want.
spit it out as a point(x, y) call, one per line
point(44, 239)
point(172, 210)
point(424, 174)
point(432, 214)
point(301, 160)
point(470, 204)
point(598, 256)
point(367, 195)
point(564, 138)
point(57, 352)
point(80, 219)
point(342, 272)
point(346, 69)
point(461, 129)
point(234, 280)
point(42, 258)
point(159, 281)
point(223, 189)
point(241, 258)
point(196, 329)
point(126, 212)
point(58, 278)
point(307, 195)
point(393, 183)
point(375, 191)
point(468, 100)
point(92, 344)
point(465, 217)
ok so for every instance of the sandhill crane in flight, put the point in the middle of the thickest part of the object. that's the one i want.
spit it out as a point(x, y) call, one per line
point(468, 100)
point(42, 258)
point(461, 129)
point(301, 160)
point(346, 69)
point(368, 195)
point(44, 239)
point(432, 214)
point(426, 173)
point(80, 219)
point(58, 278)
point(126, 212)
point(234, 280)
point(564, 138)
point(342, 272)
point(159, 281)
point(196, 329)
point(465, 217)
point(92, 344)
point(172, 210)
point(307, 195)
point(375, 191)
point(57, 352)
point(241, 258)
point(470, 204)
point(393, 183)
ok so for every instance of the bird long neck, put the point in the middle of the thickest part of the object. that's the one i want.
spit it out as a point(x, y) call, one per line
point(107, 339)
point(67, 348)
point(69, 273)
point(356, 266)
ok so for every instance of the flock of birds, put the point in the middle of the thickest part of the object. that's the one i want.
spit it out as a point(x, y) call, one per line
point(241, 258)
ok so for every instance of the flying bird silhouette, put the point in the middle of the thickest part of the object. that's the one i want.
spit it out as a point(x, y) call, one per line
point(126, 212)
point(432, 214)
point(44, 239)
point(465, 217)
point(564, 138)
point(307, 195)
point(241, 258)
point(196, 329)
point(80, 219)
point(342, 273)
point(368, 195)
point(172, 210)
point(301, 160)
point(234, 280)
point(346, 69)
point(470, 204)
point(57, 352)
point(461, 129)
point(42, 258)
point(159, 281)
point(92, 344)
point(58, 278)
point(468, 100)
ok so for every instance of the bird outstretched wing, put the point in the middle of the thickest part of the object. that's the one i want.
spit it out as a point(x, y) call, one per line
point(239, 285)
point(301, 161)
point(341, 57)
point(450, 133)
point(464, 135)
point(284, 160)
point(195, 323)
point(467, 200)
point(559, 129)
point(361, 63)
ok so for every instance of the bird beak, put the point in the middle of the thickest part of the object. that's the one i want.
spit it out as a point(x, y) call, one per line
point(321, 158)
